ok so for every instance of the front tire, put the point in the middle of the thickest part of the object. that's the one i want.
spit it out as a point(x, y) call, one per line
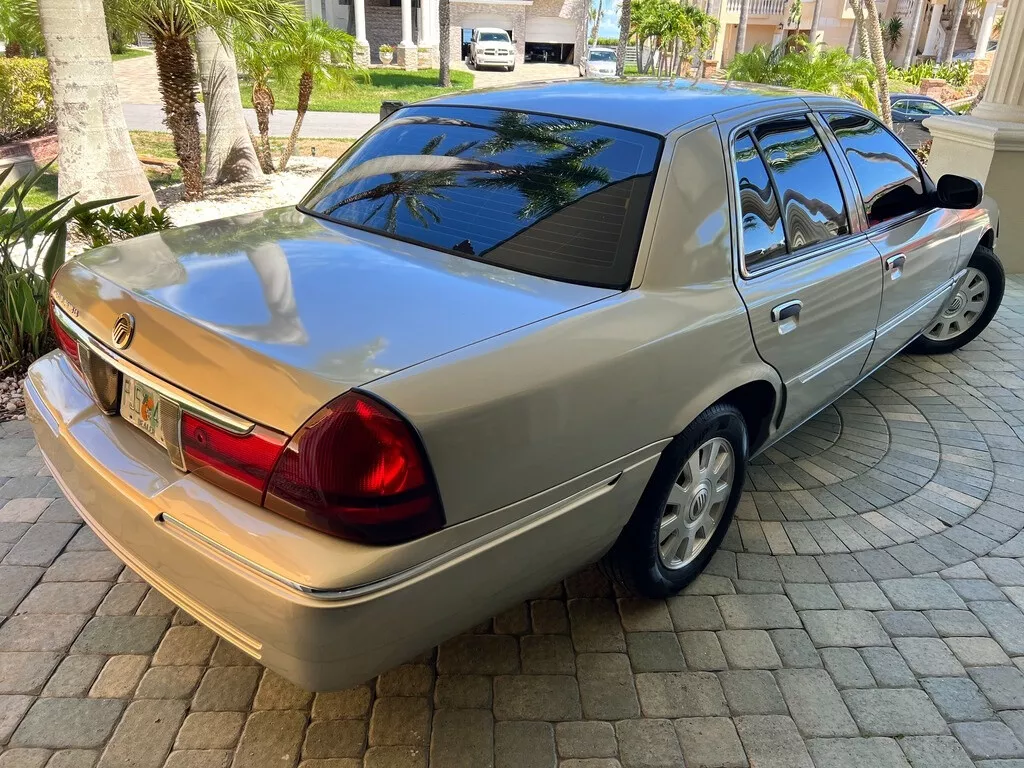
point(686, 508)
point(971, 308)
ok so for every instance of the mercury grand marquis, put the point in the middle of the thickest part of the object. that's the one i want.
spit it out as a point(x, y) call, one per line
point(509, 333)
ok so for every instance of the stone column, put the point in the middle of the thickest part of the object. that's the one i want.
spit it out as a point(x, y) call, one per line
point(407, 54)
point(989, 144)
point(931, 40)
point(988, 19)
point(361, 51)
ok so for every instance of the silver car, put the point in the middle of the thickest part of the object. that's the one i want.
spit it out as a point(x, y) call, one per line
point(509, 333)
point(600, 62)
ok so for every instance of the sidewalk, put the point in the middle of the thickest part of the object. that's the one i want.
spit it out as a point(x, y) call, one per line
point(317, 125)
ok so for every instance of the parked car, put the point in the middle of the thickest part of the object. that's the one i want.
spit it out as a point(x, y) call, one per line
point(508, 333)
point(600, 62)
point(492, 48)
point(908, 113)
point(968, 54)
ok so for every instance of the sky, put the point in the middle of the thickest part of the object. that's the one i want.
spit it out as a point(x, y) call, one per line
point(609, 18)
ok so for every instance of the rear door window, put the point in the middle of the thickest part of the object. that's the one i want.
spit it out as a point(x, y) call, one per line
point(553, 196)
point(813, 209)
point(886, 172)
point(763, 238)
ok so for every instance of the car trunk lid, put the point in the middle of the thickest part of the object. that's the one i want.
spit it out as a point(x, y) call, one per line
point(271, 315)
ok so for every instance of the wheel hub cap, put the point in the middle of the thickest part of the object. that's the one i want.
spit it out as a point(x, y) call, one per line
point(963, 309)
point(696, 503)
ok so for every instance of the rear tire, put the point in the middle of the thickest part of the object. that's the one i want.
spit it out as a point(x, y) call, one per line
point(958, 324)
point(686, 501)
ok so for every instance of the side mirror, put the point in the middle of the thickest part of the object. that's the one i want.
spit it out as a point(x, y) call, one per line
point(959, 192)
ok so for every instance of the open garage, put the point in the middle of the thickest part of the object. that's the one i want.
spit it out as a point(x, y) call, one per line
point(480, 20)
point(550, 39)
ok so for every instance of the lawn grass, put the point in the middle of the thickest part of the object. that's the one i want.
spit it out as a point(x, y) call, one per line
point(131, 53)
point(366, 96)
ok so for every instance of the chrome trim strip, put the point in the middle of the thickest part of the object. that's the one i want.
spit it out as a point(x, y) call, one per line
point(185, 401)
point(838, 357)
point(362, 590)
point(910, 311)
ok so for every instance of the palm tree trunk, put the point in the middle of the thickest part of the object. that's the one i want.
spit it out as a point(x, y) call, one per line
point(915, 27)
point(263, 104)
point(861, 27)
point(851, 46)
point(305, 91)
point(597, 22)
point(175, 67)
point(815, 22)
point(874, 33)
point(97, 159)
point(741, 28)
point(230, 155)
point(444, 47)
point(624, 25)
point(954, 30)
point(12, 49)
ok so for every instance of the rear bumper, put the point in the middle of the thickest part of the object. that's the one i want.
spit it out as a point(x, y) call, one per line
point(185, 537)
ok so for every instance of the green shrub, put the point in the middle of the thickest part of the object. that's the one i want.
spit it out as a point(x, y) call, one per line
point(26, 101)
point(956, 73)
point(106, 225)
point(32, 248)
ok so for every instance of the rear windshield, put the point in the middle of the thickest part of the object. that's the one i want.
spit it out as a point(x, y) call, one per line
point(602, 56)
point(552, 196)
point(494, 37)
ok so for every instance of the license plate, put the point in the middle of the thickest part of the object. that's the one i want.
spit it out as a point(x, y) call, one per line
point(140, 406)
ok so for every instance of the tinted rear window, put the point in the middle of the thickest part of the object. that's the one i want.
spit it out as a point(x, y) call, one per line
point(552, 196)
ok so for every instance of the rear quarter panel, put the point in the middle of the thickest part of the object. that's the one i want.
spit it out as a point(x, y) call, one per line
point(521, 413)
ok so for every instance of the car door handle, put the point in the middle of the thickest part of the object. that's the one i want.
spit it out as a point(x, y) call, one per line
point(791, 309)
point(894, 265)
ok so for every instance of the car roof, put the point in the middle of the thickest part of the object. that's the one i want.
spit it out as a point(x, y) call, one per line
point(912, 96)
point(648, 104)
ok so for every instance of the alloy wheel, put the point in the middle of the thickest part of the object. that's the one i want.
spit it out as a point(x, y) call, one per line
point(963, 309)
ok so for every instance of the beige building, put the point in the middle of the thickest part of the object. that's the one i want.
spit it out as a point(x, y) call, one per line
point(543, 30)
point(926, 25)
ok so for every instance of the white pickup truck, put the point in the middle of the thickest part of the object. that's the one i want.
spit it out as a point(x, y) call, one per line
point(492, 48)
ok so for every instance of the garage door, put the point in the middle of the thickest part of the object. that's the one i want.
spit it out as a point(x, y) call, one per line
point(478, 20)
point(550, 29)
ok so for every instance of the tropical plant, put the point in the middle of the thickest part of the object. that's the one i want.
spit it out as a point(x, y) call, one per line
point(875, 46)
point(595, 17)
point(96, 157)
point(32, 248)
point(385, 48)
point(796, 10)
point(794, 64)
point(255, 59)
point(892, 33)
point(104, 226)
point(26, 99)
point(675, 31)
point(958, 73)
point(172, 24)
point(19, 27)
point(625, 28)
point(318, 54)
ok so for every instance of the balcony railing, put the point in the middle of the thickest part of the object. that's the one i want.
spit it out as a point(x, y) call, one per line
point(758, 7)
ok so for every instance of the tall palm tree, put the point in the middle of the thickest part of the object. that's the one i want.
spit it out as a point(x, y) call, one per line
point(172, 24)
point(915, 29)
point(444, 45)
point(954, 29)
point(319, 54)
point(97, 159)
point(230, 155)
point(255, 59)
point(19, 28)
point(815, 23)
point(596, 18)
point(875, 45)
point(741, 28)
point(624, 30)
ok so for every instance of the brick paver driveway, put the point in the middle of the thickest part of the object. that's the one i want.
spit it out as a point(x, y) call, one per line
point(866, 612)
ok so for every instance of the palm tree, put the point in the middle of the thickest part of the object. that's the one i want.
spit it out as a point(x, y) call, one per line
point(595, 15)
point(444, 46)
point(255, 59)
point(172, 24)
point(97, 159)
point(230, 155)
point(951, 34)
point(874, 33)
point(624, 30)
point(815, 23)
point(320, 55)
point(19, 27)
point(915, 28)
point(892, 33)
point(741, 28)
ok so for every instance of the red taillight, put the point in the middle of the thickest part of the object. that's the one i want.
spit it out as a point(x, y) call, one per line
point(65, 340)
point(356, 469)
point(240, 463)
